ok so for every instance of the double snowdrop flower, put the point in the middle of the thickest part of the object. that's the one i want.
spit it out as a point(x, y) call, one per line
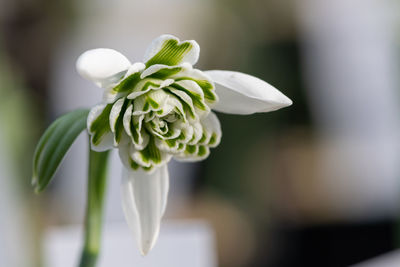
point(162, 109)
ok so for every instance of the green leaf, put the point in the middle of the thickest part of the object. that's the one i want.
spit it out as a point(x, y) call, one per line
point(54, 144)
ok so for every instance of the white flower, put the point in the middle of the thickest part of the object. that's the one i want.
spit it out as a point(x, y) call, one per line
point(161, 109)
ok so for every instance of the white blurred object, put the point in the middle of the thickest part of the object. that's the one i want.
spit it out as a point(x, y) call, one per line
point(351, 65)
point(181, 244)
point(391, 259)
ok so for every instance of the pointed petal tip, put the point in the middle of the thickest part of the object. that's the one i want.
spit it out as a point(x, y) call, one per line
point(144, 197)
point(285, 101)
point(146, 247)
point(244, 94)
point(288, 102)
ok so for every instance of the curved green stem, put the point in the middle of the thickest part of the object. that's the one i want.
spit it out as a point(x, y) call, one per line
point(94, 210)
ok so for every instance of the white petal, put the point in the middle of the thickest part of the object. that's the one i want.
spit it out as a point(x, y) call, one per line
point(110, 95)
point(211, 126)
point(241, 93)
point(107, 139)
point(103, 66)
point(191, 54)
point(144, 198)
point(136, 67)
point(138, 91)
point(157, 67)
point(115, 113)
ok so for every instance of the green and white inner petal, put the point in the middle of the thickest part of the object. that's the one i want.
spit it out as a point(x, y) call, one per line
point(212, 132)
point(161, 71)
point(163, 129)
point(169, 145)
point(202, 79)
point(186, 102)
point(206, 133)
point(133, 126)
point(193, 90)
point(172, 110)
point(99, 129)
point(151, 156)
point(144, 86)
point(168, 50)
point(151, 101)
point(125, 85)
point(116, 120)
point(193, 153)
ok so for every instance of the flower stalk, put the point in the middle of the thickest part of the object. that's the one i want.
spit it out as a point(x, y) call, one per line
point(97, 178)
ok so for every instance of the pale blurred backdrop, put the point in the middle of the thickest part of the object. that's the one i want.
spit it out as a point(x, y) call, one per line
point(315, 184)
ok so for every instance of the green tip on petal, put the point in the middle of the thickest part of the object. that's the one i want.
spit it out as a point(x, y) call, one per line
point(167, 50)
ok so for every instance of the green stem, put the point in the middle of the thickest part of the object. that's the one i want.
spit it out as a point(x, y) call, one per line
point(94, 210)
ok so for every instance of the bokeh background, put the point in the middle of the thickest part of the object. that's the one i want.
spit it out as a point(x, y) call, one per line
point(315, 184)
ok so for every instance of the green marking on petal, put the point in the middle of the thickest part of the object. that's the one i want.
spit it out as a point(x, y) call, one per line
point(181, 146)
point(165, 73)
point(151, 153)
point(171, 142)
point(146, 106)
point(136, 128)
point(196, 98)
point(100, 126)
point(202, 151)
point(213, 139)
point(127, 84)
point(148, 168)
point(186, 106)
point(143, 87)
point(191, 149)
point(203, 138)
point(171, 53)
point(119, 126)
point(152, 102)
point(205, 85)
point(134, 164)
point(182, 136)
point(148, 84)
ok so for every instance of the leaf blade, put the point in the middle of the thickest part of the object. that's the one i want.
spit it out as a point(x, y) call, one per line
point(54, 144)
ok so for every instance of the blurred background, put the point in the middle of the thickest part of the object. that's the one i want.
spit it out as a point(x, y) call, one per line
point(315, 184)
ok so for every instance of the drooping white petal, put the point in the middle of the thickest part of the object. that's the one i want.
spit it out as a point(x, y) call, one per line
point(168, 50)
point(144, 199)
point(103, 66)
point(241, 93)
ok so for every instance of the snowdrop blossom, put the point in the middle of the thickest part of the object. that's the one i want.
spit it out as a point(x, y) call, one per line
point(159, 109)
